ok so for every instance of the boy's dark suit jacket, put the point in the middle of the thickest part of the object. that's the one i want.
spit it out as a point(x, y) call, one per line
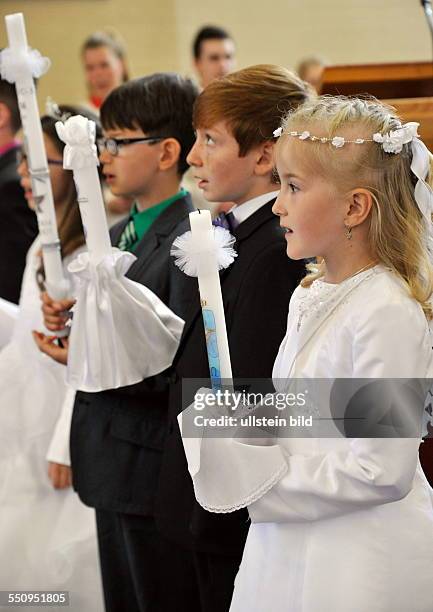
point(117, 436)
point(256, 291)
point(18, 228)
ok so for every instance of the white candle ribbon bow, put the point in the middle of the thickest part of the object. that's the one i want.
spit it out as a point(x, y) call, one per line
point(78, 133)
point(19, 65)
point(121, 331)
point(187, 252)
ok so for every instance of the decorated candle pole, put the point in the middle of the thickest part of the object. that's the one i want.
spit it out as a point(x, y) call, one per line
point(121, 331)
point(202, 253)
point(80, 155)
point(21, 65)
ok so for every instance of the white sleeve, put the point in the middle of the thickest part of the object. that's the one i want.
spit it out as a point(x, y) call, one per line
point(8, 316)
point(279, 487)
point(58, 451)
point(392, 342)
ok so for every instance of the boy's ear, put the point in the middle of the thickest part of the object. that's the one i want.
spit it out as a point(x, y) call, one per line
point(5, 115)
point(265, 159)
point(170, 153)
point(359, 206)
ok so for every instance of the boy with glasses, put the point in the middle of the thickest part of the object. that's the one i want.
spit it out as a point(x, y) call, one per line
point(117, 436)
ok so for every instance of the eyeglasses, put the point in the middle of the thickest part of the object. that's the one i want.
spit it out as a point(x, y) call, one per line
point(22, 157)
point(112, 145)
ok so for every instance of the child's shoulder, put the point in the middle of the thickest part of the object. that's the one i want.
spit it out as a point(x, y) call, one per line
point(379, 293)
point(384, 289)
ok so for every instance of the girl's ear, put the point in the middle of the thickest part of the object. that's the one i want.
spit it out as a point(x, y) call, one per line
point(170, 153)
point(265, 158)
point(358, 208)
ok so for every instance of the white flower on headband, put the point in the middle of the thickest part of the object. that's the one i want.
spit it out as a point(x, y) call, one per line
point(393, 141)
point(304, 135)
point(338, 141)
point(277, 133)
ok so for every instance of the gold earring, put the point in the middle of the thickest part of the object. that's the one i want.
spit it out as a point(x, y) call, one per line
point(348, 232)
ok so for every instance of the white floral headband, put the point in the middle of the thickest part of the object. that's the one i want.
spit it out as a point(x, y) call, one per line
point(392, 142)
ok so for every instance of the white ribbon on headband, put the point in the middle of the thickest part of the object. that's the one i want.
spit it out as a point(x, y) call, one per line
point(420, 167)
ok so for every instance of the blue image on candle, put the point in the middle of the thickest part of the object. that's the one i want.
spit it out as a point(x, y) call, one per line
point(212, 348)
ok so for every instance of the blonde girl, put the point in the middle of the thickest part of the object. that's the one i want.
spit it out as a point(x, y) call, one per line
point(339, 523)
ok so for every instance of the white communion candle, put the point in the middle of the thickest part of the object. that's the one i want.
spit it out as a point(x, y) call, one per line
point(80, 156)
point(211, 298)
point(21, 65)
point(92, 212)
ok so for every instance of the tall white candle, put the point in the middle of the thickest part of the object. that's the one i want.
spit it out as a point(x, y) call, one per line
point(92, 212)
point(211, 298)
point(41, 185)
point(78, 133)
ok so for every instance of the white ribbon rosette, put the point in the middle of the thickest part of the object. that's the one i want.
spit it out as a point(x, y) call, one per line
point(17, 66)
point(121, 332)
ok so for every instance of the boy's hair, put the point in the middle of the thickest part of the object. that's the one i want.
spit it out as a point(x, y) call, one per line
point(251, 102)
point(159, 105)
point(8, 96)
point(209, 32)
point(396, 230)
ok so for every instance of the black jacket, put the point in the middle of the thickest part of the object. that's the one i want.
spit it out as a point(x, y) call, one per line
point(18, 228)
point(117, 436)
point(256, 291)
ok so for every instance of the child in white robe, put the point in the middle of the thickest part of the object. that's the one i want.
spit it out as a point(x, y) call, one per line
point(47, 536)
point(340, 524)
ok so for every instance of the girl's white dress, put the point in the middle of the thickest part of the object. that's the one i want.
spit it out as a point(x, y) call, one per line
point(47, 536)
point(337, 524)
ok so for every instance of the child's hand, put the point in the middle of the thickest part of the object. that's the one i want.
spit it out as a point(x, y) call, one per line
point(49, 346)
point(55, 313)
point(60, 475)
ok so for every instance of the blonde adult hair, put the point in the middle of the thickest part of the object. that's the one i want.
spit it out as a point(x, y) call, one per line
point(396, 232)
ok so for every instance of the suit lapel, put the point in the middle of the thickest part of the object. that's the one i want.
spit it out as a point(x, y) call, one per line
point(163, 226)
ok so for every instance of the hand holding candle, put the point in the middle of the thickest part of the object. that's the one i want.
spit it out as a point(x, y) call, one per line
point(20, 65)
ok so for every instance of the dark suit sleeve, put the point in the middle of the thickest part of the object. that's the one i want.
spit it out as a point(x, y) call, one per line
point(18, 231)
point(259, 319)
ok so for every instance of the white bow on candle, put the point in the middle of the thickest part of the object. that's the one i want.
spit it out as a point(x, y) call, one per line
point(79, 134)
point(15, 66)
point(121, 332)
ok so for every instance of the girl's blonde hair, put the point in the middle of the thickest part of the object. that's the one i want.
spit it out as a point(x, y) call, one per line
point(396, 233)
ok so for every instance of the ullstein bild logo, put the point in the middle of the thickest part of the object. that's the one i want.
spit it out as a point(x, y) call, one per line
point(253, 421)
